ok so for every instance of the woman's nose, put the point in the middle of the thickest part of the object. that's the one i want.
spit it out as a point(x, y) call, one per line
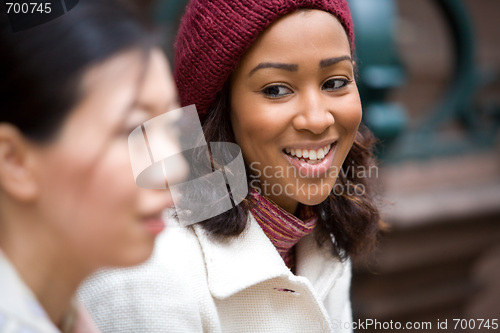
point(313, 114)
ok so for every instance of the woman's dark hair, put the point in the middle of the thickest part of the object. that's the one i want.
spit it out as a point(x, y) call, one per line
point(351, 216)
point(41, 67)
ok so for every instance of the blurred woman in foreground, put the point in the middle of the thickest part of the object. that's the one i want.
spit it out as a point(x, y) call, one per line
point(71, 91)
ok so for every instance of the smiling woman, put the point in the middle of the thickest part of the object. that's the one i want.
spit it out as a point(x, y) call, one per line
point(71, 90)
point(299, 120)
point(277, 78)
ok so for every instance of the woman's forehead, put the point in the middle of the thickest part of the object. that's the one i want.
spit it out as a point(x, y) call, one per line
point(298, 34)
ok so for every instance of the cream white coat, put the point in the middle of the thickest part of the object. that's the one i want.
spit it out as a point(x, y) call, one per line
point(194, 283)
point(19, 308)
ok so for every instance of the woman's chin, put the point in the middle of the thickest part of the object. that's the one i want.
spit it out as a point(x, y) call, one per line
point(315, 195)
point(133, 257)
point(313, 200)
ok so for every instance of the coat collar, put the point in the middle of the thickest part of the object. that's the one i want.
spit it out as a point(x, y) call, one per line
point(319, 265)
point(241, 262)
point(18, 304)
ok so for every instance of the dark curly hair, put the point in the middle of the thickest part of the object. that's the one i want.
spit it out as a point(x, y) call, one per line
point(351, 217)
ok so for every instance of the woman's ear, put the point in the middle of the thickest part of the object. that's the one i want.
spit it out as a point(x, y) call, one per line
point(17, 176)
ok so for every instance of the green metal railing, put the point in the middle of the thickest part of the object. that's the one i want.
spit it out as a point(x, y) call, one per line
point(381, 70)
point(379, 66)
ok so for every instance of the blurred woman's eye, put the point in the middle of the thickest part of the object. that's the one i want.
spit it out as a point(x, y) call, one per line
point(128, 129)
point(276, 91)
point(335, 84)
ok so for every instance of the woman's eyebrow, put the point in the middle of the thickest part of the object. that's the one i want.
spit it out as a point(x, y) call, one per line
point(293, 67)
point(278, 65)
point(332, 61)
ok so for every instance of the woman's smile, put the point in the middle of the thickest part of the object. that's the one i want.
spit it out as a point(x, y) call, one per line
point(311, 163)
point(311, 156)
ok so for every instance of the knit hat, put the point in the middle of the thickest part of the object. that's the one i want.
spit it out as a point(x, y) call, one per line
point(215, 34)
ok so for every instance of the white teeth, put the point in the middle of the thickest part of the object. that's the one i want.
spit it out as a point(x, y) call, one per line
point(312, 155)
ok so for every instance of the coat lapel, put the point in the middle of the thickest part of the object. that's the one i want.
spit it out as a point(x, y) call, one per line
point(318, 265)
point(241, 262)
point(237, 263)
point(19, 308)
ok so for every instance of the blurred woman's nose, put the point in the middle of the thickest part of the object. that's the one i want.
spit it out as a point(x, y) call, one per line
point(175, 169)
point(313, 113)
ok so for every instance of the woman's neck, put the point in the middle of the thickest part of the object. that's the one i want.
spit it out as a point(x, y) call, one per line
point(46, 267)
point(280, 226)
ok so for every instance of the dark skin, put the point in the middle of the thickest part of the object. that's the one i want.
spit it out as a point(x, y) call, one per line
point(294, 91)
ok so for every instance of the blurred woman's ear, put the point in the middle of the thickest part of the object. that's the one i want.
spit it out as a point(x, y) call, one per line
point(17, 176)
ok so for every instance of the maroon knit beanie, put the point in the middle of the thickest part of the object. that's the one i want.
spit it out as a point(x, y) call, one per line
point(215, 34)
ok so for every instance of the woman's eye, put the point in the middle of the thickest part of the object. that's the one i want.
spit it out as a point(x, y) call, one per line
point(335, 84)
point(125, 131)
point(276, 91)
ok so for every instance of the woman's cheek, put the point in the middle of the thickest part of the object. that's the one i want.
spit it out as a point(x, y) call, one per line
point(350, 119)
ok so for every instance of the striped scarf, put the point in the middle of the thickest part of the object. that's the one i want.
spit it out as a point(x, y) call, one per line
point(282, 228)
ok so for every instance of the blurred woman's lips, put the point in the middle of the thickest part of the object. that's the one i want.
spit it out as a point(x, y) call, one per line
point(154, 224)
point(153, 221)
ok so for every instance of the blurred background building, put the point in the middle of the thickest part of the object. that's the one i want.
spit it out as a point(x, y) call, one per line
point(429, 78)
point(438, 118)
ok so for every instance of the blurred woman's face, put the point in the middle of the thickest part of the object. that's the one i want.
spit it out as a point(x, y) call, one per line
point(89, 196)
point(296, 108)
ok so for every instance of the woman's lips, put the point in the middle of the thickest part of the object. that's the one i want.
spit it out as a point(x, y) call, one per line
point(154, 225)
point(316, 170)
point(154, 220)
